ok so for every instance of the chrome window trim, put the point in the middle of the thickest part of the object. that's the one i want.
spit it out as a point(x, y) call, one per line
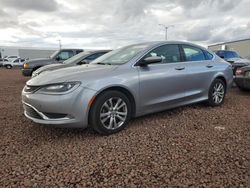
point(162, 44)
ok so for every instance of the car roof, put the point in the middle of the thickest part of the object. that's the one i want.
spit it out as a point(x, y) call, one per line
point(71, 49)
point(98, 51)
point(224, 51)
point(157, 43)
point(90, 52)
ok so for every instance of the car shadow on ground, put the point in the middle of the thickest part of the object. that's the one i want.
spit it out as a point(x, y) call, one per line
point(57, 132)
point(243, 93)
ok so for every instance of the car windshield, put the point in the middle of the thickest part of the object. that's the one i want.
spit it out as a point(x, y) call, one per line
point(228, 54)
point(120, 56)
point(54, 54)
point(235, 54)
point(76, 58)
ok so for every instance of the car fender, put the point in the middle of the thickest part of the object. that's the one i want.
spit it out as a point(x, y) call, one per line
point(114, 86)
point(225, 77)
point(132, 95)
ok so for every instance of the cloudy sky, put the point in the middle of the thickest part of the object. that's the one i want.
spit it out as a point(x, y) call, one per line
point(114, 23)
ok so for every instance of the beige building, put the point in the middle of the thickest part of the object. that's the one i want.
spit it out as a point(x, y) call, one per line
point(241, 46)
point(25, 52)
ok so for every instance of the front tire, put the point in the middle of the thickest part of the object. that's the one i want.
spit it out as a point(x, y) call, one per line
point(110, 112)
point(8, 67)
point(217, 93)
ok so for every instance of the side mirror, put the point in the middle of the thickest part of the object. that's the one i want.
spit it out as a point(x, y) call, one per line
point(221, 56)
point(82, 63)
point(58, 58)
point(150, 60)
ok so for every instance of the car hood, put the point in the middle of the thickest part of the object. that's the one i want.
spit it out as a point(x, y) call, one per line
point(246, 68)
point(50, 68)
point(39, 60)
point(76, 73)
point(242, 62)
point(238, 60)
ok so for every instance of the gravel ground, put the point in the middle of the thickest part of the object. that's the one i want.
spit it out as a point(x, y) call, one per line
point(193, 146)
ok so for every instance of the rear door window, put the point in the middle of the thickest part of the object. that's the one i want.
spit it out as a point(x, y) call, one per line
point(193, 54)
point(208, 55)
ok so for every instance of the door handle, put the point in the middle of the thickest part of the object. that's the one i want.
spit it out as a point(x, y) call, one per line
point(179, 68)
point(209, 66)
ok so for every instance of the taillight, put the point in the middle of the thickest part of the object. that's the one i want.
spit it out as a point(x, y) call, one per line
point(239, 72)
point(25, 66)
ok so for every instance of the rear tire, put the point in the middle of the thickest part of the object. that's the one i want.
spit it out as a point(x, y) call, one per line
point(217, 92)
point(110, 112)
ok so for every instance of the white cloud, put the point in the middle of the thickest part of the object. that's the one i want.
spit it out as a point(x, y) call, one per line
point(113, 23)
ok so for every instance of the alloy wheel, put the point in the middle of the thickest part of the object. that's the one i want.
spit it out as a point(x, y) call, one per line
point(218, 93)
point(113, 113)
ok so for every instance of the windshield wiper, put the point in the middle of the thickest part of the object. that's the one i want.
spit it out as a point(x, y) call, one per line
point(100, 63)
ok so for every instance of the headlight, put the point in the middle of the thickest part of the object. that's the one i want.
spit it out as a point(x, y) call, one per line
point(25, 65)
point(34, 74)
point(60, 88)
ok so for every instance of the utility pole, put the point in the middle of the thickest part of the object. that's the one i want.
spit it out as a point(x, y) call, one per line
point(166, 27)
point(60, 44)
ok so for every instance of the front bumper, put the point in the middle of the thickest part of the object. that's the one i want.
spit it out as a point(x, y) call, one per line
point(243, 82)
point(27, 72)
point(69, 110)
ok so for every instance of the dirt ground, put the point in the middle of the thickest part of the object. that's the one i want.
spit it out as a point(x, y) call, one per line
point(193, 146)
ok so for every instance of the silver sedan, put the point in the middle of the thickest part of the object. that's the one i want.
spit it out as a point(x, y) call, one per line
point(129, 82)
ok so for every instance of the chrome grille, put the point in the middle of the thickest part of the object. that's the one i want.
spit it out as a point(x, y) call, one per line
point(31, 112)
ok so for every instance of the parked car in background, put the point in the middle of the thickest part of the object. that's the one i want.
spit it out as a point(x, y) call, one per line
point(242, 78)
point(11, 58)
point(239, 64)
point(2, 60)
point(14, 63)
point(128, 82)
point(79, 59)
point(58, 57)
point(233, 58)
point(228, 55)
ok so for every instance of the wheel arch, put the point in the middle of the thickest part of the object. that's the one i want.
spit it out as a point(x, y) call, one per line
point(7, 65)
point(121, 89)
point(221, 77)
